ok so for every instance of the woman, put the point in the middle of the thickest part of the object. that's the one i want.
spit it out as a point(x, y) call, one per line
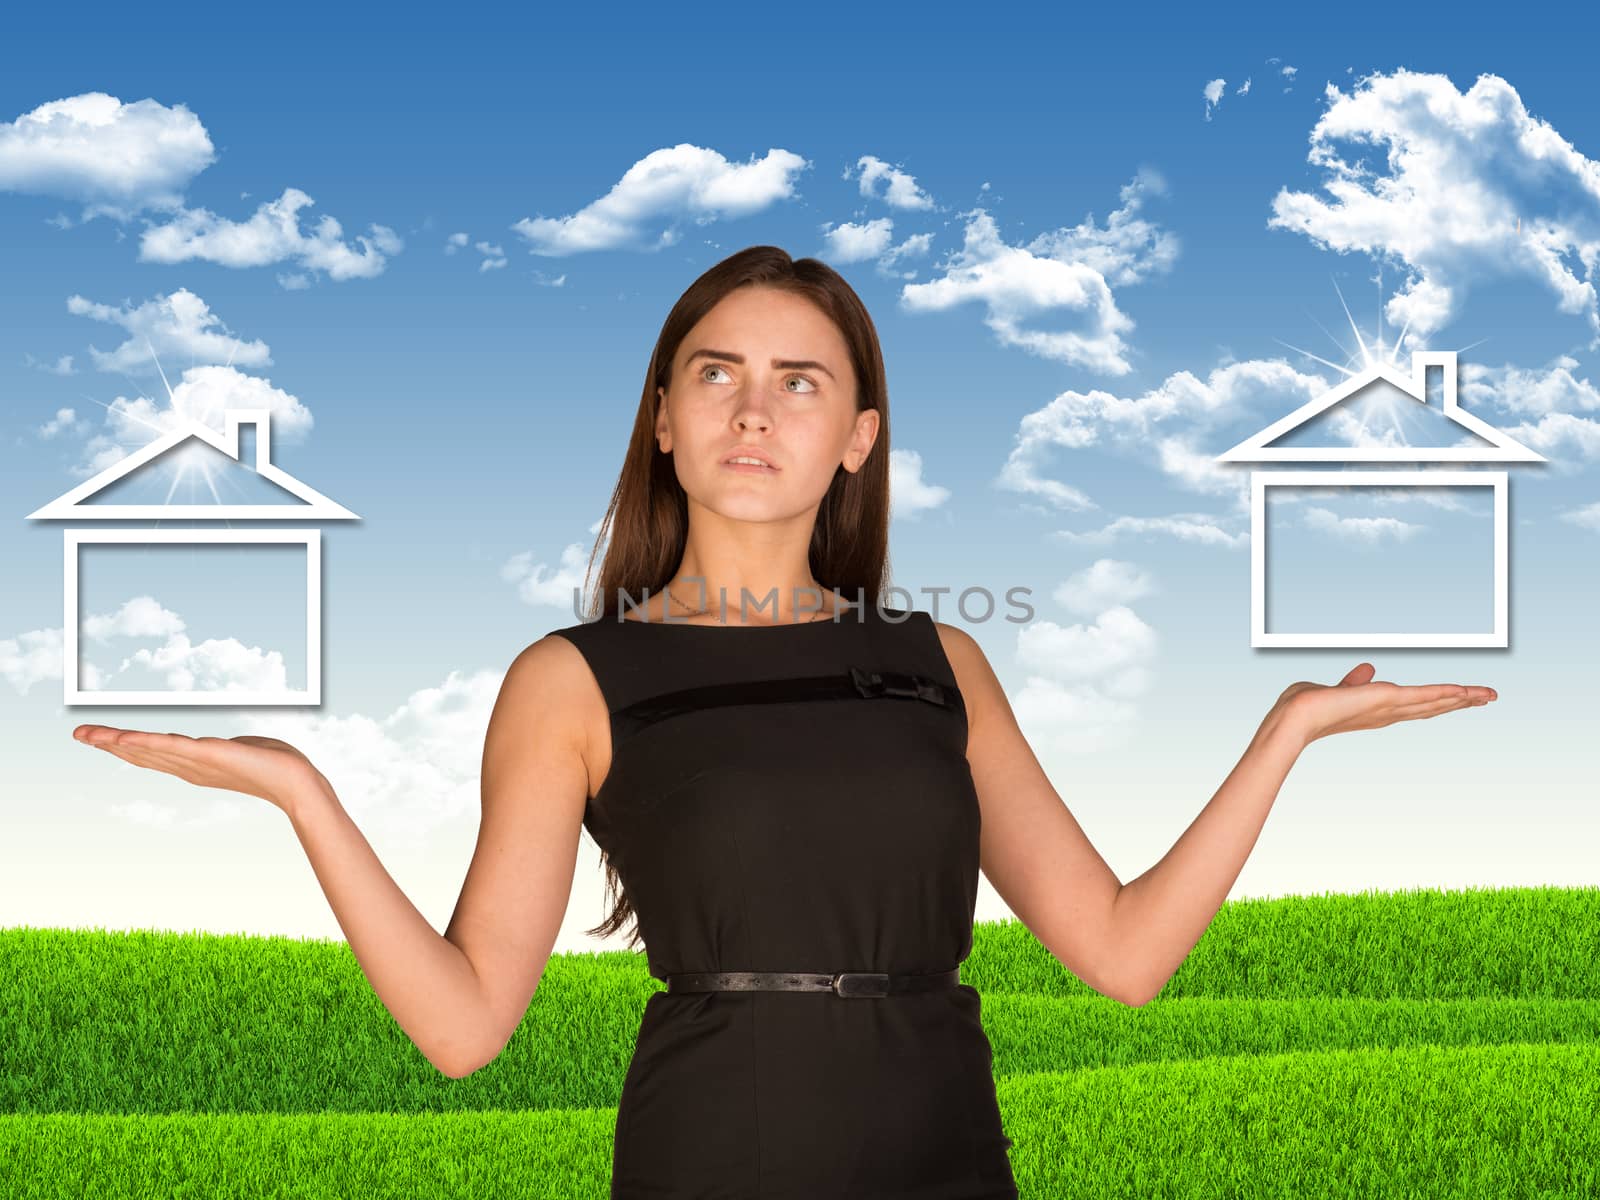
point(791, 785)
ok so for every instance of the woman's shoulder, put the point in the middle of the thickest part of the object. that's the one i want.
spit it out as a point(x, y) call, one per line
point(585, 659)
point(550, 684)
point(578, 630)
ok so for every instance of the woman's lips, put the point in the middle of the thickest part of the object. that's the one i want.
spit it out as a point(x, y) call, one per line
point(750, 467)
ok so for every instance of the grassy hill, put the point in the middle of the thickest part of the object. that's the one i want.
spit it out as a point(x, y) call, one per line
point(1417, 1043)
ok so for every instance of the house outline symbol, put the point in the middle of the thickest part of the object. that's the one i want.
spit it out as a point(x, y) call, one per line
point(71, 506)
point(1502, 448)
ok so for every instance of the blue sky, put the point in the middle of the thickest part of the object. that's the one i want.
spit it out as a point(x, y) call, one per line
point(1096, 259)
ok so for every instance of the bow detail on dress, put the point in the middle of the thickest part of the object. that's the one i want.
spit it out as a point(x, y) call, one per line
point(892, 683)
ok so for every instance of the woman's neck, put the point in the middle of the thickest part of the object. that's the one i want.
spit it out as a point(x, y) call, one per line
point(688, 595)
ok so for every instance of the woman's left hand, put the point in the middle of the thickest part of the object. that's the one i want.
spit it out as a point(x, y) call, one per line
point(1360, 702)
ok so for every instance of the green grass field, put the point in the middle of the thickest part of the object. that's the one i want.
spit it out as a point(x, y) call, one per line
point(1431, 1044)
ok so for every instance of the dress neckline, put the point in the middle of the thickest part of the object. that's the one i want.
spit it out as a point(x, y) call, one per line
point(852, 613)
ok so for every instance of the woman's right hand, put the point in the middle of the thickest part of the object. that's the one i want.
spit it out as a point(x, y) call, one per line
point(257, 766)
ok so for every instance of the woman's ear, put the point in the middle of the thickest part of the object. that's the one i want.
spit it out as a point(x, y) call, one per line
point(862, 441)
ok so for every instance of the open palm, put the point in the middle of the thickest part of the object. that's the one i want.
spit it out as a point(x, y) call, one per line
point(1360, 702)
point(257, 766)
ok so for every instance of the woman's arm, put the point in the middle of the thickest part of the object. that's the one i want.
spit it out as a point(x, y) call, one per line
point(460, 995)
point(425, 981)
point(1158, 918)
point(1126, 940)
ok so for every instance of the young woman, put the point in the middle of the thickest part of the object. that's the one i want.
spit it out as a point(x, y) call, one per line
point(794, 787)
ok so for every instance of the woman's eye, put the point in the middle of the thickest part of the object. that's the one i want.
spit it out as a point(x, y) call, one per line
point(811, 384)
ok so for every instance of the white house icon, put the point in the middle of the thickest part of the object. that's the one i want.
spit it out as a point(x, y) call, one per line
point(73, 506)
point(1501, 448)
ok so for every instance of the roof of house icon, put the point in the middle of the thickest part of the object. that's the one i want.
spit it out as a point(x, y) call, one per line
point(70, 505)
point(1502, 448)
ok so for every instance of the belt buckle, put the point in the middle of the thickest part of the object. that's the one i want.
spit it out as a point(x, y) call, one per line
point(876, 983)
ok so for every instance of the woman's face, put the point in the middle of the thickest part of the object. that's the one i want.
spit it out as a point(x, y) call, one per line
point(729, 392)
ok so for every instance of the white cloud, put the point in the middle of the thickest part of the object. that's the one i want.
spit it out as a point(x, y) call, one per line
point(194, 813)
point(1555, 432)
point(116, 158)
point(204, 394)
point(493, 256)
point(552, 590)
point(1441, 496)
point(410, 772)
point(1129, 248)
point(1104, 583)
point(899, 190)
point(682, 182)
point(215, 664)
point(1534, 391)
point(1116, 642)
point(139, 617)
point(271, 235)
point(1360, 531)
point(1213, 94)
point(1014, 285)
point(1200, 529)
point(850, 242)
point(1587, 517)
point(180, 325)
point(406, 774)
point(30, 658)
point(916, 245)
point(65, 418)
point(1071, 718)
point(1182, 424)
point(1082, 681)
point(910, 494)
point(1066, 270)
point(1458, 173)
point(1552, 395)
point(62, 365)
point(1077, 420)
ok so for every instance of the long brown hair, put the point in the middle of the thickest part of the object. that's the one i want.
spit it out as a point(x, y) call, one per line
point(646, 525)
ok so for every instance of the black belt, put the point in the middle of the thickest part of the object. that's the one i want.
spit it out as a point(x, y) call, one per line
point(843, 983)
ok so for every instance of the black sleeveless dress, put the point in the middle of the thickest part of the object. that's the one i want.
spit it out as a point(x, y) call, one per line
point(768, 809)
